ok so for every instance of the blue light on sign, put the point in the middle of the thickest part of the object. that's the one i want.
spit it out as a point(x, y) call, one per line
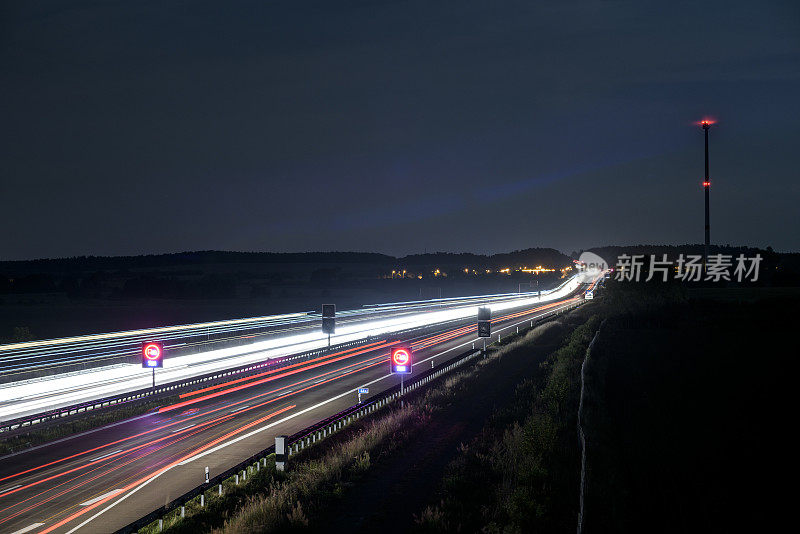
point(363, 390)
point(401, 368)
point(151, 363)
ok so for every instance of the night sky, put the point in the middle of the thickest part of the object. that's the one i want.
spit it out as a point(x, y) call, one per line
point(134, 127)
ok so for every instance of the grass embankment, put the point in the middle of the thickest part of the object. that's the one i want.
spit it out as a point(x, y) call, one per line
point(48, 432)
point(687, 411)
point(522, 473)
point(319, 476)
point(270, 501)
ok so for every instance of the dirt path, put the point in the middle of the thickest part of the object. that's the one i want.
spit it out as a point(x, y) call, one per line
point(374, 505)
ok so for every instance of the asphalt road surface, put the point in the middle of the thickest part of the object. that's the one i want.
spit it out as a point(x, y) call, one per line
point(104, 479)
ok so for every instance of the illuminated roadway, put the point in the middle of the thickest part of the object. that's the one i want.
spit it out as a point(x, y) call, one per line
point(55, 356)
point(104, 479)
point(28, 397)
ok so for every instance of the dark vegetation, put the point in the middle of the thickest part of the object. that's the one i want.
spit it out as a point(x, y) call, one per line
point(322, 481)
point(687, 418)
point(521, 474)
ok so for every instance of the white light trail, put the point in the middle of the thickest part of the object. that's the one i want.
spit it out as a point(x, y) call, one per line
point(31, 397)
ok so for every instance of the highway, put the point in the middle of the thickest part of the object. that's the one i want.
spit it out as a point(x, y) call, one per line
point(104, 479)
point(34, 396)
point(54, 356)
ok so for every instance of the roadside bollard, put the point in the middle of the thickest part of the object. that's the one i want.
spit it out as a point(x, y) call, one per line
point(280, 453)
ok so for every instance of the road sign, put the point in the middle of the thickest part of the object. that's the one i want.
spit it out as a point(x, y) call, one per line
point(329, 318)
point(589, 295)
point(484, 329)
point(484, 322)
point(401, 360)
point(152, 354)
point(363, 391)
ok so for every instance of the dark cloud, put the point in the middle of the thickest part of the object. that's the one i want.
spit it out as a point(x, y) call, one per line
point(151, 126)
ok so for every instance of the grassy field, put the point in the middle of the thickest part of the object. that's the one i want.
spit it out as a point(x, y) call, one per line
point(687, 415)
point(521, 473)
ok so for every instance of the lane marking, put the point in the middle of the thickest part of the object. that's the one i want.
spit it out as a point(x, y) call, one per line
point(6, 490)
point(348, 392)
point(184, 428)
point(104, 456)
point(147, 481)
point(75, 436)
point(240, 408)
point(101, 497)
point(28, 528)
point(142, 482)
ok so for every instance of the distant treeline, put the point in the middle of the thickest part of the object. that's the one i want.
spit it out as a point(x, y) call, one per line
point(199, 261)
point(220, 274)
point(197, 258)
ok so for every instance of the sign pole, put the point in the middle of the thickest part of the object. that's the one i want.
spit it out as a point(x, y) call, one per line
point(154, 378)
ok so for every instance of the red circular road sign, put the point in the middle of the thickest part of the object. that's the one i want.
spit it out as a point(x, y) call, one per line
point(152, 351)
point(400, 357)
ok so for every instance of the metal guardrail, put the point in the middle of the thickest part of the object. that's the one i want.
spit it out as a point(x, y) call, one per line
point(48, 357)
point(301, 440)
point(204, 380)
point(316, 432)
point(192, 383)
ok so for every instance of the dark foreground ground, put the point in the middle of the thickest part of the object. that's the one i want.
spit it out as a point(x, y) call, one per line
point(687, 416)
point(690, 423)
point(395, 494)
